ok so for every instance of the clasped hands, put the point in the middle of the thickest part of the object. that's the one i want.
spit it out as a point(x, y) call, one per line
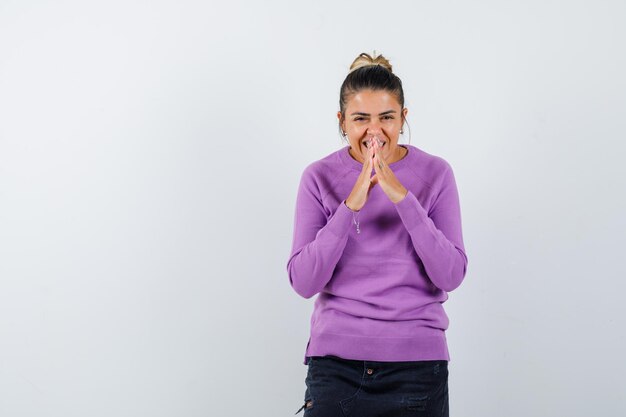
point(383, 176)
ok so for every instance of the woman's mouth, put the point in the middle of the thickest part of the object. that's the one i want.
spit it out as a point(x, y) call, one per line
point(368, 143)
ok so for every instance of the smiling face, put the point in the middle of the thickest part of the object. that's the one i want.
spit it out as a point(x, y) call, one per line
point(370, 114)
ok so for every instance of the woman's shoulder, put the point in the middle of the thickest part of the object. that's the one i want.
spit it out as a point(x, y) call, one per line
point(328, 165)
point(425, 162)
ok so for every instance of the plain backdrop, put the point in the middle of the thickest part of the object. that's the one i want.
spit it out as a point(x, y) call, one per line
point(150, 154)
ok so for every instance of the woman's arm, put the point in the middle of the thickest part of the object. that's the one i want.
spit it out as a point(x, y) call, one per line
point(318, 242)
point(436, 235)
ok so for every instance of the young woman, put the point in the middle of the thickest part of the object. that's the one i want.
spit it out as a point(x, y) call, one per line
point(377, 236)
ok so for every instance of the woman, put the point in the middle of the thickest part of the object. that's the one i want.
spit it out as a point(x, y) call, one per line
point(377, 235)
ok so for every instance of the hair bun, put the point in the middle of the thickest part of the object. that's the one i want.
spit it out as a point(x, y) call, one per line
point(366, 60)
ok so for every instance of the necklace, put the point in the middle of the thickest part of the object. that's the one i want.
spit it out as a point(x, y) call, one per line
point(404, 153)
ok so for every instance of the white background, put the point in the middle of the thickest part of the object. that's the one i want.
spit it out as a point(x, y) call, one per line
point(150, 154)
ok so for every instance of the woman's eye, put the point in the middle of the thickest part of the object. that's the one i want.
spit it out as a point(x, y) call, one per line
point(356, 119)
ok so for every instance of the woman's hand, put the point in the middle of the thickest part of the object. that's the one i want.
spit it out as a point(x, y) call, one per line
point(358, 196)
point(385, 176)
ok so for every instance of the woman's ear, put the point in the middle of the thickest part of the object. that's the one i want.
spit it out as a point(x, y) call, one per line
point(340, 121)
point(404, 112)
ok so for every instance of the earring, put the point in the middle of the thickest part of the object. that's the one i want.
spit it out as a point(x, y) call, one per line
point(343, 133)
point(402, 132)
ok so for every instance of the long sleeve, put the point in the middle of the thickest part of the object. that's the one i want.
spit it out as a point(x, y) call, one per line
point(437, 235)
point(318, 241)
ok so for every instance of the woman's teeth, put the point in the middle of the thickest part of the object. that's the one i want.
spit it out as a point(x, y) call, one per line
point(367, 144)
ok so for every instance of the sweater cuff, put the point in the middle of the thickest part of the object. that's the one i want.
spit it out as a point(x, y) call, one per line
point(411, 211)
point(339, 224)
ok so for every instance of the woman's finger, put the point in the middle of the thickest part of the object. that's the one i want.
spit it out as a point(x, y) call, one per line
point(377, 161)
point(368, 159)
point(380, 159)
point(367, 166)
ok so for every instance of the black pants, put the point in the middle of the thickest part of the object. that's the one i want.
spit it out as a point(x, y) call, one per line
point(343, 387)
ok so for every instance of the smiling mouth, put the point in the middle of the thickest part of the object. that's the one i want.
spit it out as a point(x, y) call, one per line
point(367, 143)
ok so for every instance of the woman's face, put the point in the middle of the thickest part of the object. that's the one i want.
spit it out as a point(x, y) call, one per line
point(369, 114)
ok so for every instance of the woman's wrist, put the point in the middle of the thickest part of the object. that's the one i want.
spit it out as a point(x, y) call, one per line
point(345, 202)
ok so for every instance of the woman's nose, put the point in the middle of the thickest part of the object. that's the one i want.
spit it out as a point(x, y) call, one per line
point(374, 132)
point(374, 128)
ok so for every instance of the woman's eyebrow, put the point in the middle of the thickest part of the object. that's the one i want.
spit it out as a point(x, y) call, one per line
point(367, 114)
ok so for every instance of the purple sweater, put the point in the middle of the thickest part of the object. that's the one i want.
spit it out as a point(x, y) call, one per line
point(381, 290)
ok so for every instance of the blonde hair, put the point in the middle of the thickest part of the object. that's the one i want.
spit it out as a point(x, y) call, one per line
point(365, 60)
